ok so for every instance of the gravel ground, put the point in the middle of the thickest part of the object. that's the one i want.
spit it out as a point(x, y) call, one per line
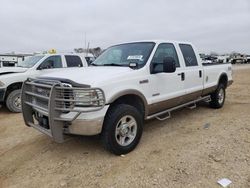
point(195, 148)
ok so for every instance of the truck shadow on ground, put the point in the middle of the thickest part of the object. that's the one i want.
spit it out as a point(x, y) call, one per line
point(92, 144)
point(86, 144)
point(177, 116)
point(4, 110)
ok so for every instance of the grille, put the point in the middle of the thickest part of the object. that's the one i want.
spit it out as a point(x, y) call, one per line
point(64, 99)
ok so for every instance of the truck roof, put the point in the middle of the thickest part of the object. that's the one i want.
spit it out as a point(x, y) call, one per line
point(48, 54)
point(159, 41)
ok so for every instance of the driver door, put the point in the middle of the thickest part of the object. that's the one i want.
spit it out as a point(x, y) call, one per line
point(166, 89)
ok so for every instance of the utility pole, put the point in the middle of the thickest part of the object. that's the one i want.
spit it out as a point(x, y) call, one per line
point(85, 41)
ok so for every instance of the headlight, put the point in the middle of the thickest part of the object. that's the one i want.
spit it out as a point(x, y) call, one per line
point(1, 84)
point(89, 98)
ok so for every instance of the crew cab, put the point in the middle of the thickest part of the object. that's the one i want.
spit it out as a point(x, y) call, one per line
point(12, 78)
point(124, 86)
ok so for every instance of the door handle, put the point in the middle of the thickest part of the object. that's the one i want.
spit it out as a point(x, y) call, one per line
point(200, 73)
point(182, 76)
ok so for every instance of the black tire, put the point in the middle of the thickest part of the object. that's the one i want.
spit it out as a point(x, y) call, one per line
point(13, 99)
point(113, 118)
point(218, 97)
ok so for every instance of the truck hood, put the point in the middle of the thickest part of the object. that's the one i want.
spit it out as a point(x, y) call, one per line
point(10, 70)
point(89, 75)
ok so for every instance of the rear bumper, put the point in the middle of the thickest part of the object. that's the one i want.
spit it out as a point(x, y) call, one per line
point(2, 94)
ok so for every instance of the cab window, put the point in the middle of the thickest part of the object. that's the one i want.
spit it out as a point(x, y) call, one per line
point(73, 61)
point(164, 50)
point(52, 62)
point(188, 55)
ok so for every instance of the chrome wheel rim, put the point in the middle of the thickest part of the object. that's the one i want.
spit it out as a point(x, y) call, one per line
point(221, 96)
point(126, 130)
point(17, 101)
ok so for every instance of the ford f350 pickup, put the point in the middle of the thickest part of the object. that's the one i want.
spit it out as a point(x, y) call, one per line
point(127, 84)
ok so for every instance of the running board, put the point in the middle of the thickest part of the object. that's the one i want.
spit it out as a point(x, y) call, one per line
point(168, 115)
point(192, 106)
point(168, 111)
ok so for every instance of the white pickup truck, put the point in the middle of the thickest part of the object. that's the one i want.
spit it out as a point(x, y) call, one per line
point(127, 84)
point(11, 78)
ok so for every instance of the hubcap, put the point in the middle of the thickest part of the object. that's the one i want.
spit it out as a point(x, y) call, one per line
point(17, 101)
point(221, 96)
point(126, 130)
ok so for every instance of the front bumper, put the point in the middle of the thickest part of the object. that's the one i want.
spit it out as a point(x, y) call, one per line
point(2, 94)
point(88, 123)
point(47, 110)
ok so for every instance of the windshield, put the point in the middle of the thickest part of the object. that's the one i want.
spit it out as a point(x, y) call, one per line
point(125, 54)
point(30, 62)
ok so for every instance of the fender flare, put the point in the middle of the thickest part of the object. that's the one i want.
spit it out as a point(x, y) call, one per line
point(223, 74)
point(130, 92)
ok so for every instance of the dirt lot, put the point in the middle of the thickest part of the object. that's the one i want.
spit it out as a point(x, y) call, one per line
point(195, 148)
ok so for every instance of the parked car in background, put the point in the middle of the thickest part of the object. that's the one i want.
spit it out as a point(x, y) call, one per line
point(12, 60)
point(126, 84)
point(223, 58)
point(209, 58)
point(89, 58)
point(248, 58)
point(238, 59)
point(12, 78)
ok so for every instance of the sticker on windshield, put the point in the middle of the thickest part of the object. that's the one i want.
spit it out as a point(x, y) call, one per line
point(135, 57)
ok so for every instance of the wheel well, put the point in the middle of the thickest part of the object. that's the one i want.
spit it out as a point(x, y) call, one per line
point(223, 79)
point(13, 87)
point(131, 99)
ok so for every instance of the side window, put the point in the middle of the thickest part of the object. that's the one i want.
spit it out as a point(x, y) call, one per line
point(89, 60)
point(52, 62)
point(73, 61)
point(189, 55)
point(164, 50)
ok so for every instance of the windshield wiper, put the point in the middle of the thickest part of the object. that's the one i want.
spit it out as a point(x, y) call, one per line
point(109, 64)
point(114, 64)
point(93, 64)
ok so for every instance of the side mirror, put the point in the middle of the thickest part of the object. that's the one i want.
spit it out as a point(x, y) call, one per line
point(169, 65)
point(41, 67)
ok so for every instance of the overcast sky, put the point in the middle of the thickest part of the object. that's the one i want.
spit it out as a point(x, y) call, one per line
point(38, 25)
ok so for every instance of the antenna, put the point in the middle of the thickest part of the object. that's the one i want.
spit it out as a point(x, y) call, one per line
point(87, 49)
point(85, 41)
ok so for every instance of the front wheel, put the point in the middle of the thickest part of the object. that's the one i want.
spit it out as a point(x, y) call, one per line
point(218, 97)
point(122, 129)
point(13, 101)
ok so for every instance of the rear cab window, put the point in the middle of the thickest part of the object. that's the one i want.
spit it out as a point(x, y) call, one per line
point(73, 61)
point(188, 55)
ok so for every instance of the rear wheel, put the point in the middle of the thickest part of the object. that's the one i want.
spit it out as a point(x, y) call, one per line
point(218, 97)
point(122, 129)
point(13, 101)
